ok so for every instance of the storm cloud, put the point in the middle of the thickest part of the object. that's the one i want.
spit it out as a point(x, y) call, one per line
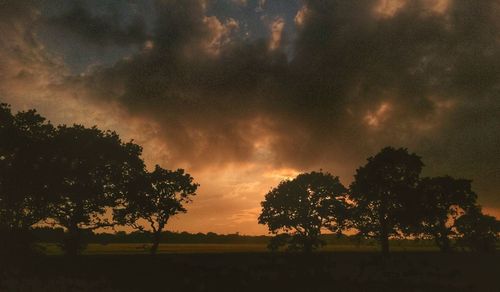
point(104, 29)
point(293, 84)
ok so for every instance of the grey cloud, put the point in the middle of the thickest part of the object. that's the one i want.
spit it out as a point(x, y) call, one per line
point(109, 28)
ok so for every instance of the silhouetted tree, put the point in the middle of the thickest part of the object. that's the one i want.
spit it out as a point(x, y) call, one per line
point(384, 194)
point(443, 200)
point(153, 198)
point(477, 231)
point(92, 168)
point(296, 210)
point(25, 176)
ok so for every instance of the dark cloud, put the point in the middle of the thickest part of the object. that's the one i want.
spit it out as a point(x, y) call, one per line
point(347, 78)
point(104, 27)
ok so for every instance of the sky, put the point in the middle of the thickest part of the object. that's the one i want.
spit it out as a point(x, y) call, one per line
point(245, 93)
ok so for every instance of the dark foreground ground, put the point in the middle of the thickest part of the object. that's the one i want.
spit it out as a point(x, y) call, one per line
point(326, 271)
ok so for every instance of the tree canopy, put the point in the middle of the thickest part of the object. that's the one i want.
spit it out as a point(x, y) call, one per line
point(74, 176)
point(297, 210)
point(384, 194)
point(442, 201)
point(477, 231)
point(25, 167)
point(26, 179)
point(92, 166)
point(153, 198)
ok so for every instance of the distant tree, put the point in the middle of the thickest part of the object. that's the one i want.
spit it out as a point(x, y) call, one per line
point(384, 194)
point(296, 210)
point(25, 176)
point(443, 200)
point(153, 198)
point(477, 231)
point(93, 167)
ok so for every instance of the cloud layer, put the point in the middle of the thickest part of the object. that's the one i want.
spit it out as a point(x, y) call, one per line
point(255, 87)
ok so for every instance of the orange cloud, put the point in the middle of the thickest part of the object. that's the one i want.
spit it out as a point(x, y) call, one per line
point(276, 33)
point(374, 119)
point(388, 8)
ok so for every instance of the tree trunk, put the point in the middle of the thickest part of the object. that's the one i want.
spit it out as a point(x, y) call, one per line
point(384, 239)
point(443, 242)
point(73, 241)
point(156, 242)
point(308, 246)
point(73, 244)
point(384, 228)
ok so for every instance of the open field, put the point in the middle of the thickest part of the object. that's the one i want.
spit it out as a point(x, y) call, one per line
point(139, 248)
point(257, 271)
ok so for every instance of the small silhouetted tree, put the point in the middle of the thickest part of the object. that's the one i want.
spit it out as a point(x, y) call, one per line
point(92, 168)
point(443, 200)
point(296, 210)
point(153, 198)
point(25, 176)
point(477, 231)
point(384, 194)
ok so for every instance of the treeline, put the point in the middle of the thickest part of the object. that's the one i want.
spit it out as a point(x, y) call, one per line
point(56, 235)
point(82, 179)
point(387, 199)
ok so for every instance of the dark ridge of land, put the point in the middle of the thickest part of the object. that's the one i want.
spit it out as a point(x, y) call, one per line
point(322, 271)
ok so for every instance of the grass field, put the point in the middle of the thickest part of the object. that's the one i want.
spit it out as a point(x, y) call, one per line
point(139, 248)
point(251, 267)
point(254, 271)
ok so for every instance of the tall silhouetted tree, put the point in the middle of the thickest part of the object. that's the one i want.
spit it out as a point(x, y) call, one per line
point(384, 194)
point(477, 231)
point(443, 200)
point(25, 175)
point(296, 210)
point(153, 198)
point(92, 168)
